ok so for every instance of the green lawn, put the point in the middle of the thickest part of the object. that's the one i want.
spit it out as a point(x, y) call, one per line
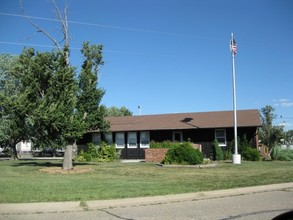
point(21, 181)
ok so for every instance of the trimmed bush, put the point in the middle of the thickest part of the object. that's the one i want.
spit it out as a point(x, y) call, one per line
point(183, 154)
point(247, 152)
point(217, 152)
point(250, 154)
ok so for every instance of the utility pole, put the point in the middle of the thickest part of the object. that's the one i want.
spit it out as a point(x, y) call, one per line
point(233, 47)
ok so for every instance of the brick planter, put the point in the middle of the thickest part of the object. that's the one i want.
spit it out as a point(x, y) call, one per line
point(155, 155)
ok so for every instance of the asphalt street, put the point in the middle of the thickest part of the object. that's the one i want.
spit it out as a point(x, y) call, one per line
point(263, 202)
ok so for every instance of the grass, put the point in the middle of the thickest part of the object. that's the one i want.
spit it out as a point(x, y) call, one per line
point(21, 181)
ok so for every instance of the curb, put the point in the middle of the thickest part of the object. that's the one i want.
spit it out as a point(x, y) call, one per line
point(104, 204)
point(200, 166)
point(58, 207)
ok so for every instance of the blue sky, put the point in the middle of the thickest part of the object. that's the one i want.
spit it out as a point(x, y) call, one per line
point(170, 56)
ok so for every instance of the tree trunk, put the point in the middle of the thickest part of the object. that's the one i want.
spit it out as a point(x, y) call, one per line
point(14, 155)
point(67, 160)
point(14, 152)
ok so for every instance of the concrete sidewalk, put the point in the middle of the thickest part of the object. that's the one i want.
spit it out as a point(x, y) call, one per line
point(56, 207)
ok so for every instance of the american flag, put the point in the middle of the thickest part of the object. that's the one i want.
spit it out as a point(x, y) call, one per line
point(233, 46)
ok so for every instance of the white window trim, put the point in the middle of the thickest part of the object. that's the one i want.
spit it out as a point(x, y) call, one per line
point(144, 145)
point(225, 136)
point(119, 146)
point(177, 132)
point(128, 135)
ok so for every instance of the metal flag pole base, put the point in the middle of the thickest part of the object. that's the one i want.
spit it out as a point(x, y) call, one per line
point(236, 159)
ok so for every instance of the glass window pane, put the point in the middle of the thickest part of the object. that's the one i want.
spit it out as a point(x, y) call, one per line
point(221, 140)
point(220, 133)
point(132, 140)
point(96, 138)
point(220, 136)
point(109, 138)
point(145, 139)
point(119, 140)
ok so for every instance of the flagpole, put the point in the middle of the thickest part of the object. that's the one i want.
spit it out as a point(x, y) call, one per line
point(236, 157)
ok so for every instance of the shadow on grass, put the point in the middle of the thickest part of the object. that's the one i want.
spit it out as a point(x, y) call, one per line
point(37, 163)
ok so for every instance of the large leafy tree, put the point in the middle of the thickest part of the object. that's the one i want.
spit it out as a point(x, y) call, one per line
point(270, 134)
point(49, 92)
point(13, 121)
point(90, 96)
point(91, 113)
point(56, 108)
point(52, 108)
point(62, 17)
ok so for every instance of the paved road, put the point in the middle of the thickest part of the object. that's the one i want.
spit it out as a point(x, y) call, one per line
point(263, 202)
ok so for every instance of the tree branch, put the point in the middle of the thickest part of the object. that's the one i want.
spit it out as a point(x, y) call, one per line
point(41, 29)
point(64, 23)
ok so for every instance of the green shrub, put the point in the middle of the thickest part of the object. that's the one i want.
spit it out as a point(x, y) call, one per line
point(80, 157)
point(278, 153)
point(88, 157)
point(93, 150)
point(101, 153)
point(250, 154)
point(275, 152)
point(183, 154)
point(243, 144)
point(227, 154)
point(245, 149)
point(107, 153)
point(217, 153)
point(286, 155)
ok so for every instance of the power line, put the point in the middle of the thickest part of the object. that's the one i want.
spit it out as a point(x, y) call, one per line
point(78, 48)
point(97, 25)
point(34, 45)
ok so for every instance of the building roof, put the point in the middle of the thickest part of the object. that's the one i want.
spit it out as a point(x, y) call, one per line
point(179, 121)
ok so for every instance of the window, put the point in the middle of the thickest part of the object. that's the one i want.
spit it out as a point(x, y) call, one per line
point(132, 140)
point(96, 138)
point(144, 139)
point(220, 136)
point(109, 138)
point(177, 136)
point(119, 140)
